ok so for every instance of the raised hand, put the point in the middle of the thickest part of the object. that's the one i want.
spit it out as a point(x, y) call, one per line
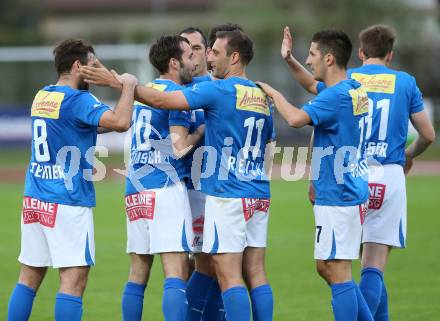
point(128, 79)
point(408, 165)
point(287, 44)
point(266, 88)
point(99, 76)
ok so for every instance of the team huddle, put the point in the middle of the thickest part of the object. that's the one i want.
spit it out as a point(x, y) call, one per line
point(197, 183)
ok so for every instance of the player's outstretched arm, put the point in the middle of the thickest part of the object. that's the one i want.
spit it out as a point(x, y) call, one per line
point(301, 74)
point(183, 142)
point(119, 119)
point(99, 75)
point(426, 137)
point(294, 116)
point(161, 99)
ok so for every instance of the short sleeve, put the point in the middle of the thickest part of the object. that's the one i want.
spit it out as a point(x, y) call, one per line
point(320, 86)
point(88, 109)
point(179, 118)
point(271, 134)
point(201, 95)
point(323, 110)
point(416, 99)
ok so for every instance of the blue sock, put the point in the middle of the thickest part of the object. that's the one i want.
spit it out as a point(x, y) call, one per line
point(382, 310)
point(262, 303)
point(236, 301)
point(20, 303)
point(133, 301)
point(371, 287)
point(68, 307)
point(344, 301)
point(174, 303)
point(214, 309)
point(197, 291)
point(364, 313)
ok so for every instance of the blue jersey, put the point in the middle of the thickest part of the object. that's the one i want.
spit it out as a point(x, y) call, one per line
point(64, 130)
point(238, 126)
point(152, 161)
point(196, 118)
point(393, 97)
point(339, 168)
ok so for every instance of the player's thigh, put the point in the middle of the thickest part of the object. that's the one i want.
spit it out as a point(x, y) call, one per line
point(175, 264)
point(171, 228)
point(334, 271)
point(73, 280)
point(71, 237)
point(385, 222)
point(228, 267)
point(197, 202)
point(35, 250)
point(256, 214)
point(254, 267)
point(204, 264)
point(140, 268)
point(224, 228)
point(375, 255)
point(32, 276)
point(338, 232)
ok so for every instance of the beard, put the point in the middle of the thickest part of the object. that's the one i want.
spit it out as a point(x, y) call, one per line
point(185, 76)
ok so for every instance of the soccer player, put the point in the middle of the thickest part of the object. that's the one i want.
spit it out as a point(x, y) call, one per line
point(238, 126)
point(57, 221)
point(203, 291)
point(394, 99)
point(158, 213)
point(338, 115)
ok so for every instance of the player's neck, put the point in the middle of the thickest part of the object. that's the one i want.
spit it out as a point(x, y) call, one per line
point(241, 73)
point(375, 61)
point(67, 80)
point(171, 76)
point(335, 76)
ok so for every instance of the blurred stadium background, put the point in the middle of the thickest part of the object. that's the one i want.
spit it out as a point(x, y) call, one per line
point(121, 32)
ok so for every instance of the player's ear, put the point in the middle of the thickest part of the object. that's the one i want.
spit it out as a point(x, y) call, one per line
point(329, 59)
point(235, 58)
point(361, 54)
point(389, 56)
point(173, 64)
point(76, 66)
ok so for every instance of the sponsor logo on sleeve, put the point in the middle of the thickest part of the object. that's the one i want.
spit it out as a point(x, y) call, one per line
point(251, 99)
point(252, 205)
point(379, 83)
point(160, 87)
point(140, 205)
point(47, 104)
point(359, 99)
point(377, 194)
point(36, 211)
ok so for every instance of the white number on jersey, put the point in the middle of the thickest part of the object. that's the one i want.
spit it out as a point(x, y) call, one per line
point(142, 121)
point(384, 106)
point(40, 141)
point(250, 123)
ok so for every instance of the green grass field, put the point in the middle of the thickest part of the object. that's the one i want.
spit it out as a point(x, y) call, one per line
point(412, 275)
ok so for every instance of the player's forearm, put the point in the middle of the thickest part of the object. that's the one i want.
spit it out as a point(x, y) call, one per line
point(124, 108)
point(287, 110)
point(186, 143)
point(418, 147)
point(302, 75)
point(160, 100)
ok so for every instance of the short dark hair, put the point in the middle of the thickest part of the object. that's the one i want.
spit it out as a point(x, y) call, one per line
point(190, 30)
point(335, 42)
point(377, 41)
point(224, 27)
point(70, 50)
point(238, 42)
point(165, 48)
